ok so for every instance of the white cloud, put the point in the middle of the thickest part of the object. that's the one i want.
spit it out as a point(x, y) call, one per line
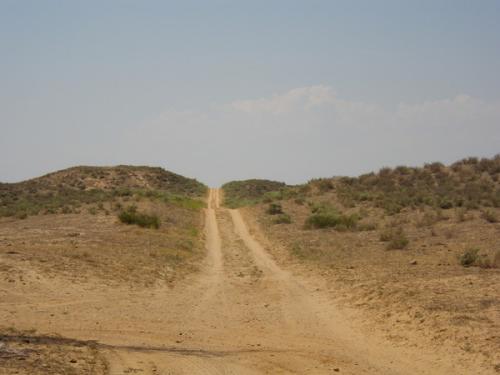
point(311, 131)
point(303, 98)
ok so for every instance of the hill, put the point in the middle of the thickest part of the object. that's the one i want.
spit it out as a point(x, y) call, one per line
point(412, 247)
point(131, 224)
point(65, 190)
point(245, 192)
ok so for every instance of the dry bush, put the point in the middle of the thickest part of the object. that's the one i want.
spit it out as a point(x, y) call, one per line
point(395, 237)
point(490, 216)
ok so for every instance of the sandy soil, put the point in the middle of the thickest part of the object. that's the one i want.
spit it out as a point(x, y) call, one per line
point(241, 314)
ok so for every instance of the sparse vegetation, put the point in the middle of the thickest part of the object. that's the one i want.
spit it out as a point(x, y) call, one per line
point(469, 183)
point(490, 216)
point(395, 237)
point(274, 209)
point(366, 226)
point(423, 216)
point(132, 216)
point(473, 257)
point(470, 257)
point(330, 218)
point(282, 219)
point(248, 192)
point(66, 191)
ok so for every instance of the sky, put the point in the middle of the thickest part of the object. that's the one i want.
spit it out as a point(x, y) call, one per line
point(223, 90)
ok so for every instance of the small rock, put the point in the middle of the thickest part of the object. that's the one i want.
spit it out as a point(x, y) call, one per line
point(336, 369)
point(413, 262)
point(73, 360)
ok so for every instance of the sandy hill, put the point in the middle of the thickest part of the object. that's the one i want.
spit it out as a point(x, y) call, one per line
point(412, 247)
point(69, 187)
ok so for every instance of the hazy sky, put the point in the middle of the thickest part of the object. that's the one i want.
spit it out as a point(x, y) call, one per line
point(222, 90)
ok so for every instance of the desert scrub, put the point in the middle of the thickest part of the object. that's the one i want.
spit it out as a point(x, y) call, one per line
point(395, 237)
point(470, 183)
point(429, 218)
point(300, 201)
point(490, 216)
point(282, 219)
point(250, 192)
point(331, 219)
point(469, 257)
point(274, 209)
point(131, 216)
point(366, 226)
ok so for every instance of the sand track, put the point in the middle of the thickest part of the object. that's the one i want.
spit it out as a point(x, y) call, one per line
point(241, 314)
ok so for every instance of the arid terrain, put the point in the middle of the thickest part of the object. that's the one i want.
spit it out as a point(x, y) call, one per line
point(368, 286)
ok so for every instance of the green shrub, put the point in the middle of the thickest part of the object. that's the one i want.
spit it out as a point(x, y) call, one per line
point(398, 241)
point(131, 216)
point(274, 209)
point(331, 220)
point(282, 219)
point(250, 192)
point(470, 257)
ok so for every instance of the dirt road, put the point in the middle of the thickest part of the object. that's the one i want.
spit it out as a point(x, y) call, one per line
point(242, 314)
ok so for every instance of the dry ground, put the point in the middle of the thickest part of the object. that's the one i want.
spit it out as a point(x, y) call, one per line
point(250, 309)
point(419, 297)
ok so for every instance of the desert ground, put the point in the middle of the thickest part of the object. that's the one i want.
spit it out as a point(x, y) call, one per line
point(241, 308)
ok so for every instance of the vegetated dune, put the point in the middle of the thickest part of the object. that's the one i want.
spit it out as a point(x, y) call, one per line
point(73, 221)
point(416, 251)
point(70, 228)
point(241, 193)
point(66, 190)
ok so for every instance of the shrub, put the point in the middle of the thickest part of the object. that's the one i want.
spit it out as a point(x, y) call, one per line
point(366, 226)
point(427, 220)
point(395, 237)
point(274, 209)
point(131, 216)
point(470, 257)
point(300, 201)
point(282, 219)
point(66, 210)
point(490, 216)
point(331, 220)
point(22, 215)
point(324, 185)
point(398, 241)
